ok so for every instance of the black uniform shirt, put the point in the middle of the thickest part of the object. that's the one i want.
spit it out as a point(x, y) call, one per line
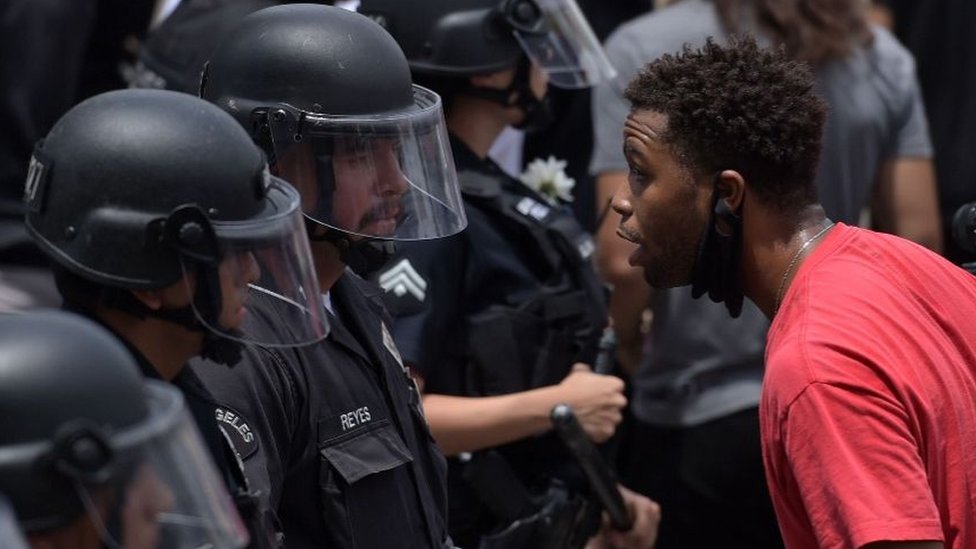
point(486, 264)
point(438, 290)
point(333, 435)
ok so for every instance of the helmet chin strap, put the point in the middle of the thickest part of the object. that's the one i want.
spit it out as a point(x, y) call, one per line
point(364, 257)
point(216, 347)
point(537, 112)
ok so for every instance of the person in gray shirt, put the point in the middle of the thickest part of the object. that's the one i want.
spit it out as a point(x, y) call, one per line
point(697, 374)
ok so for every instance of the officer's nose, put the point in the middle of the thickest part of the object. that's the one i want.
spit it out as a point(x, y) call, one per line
point(390, 177)
point(248, 268)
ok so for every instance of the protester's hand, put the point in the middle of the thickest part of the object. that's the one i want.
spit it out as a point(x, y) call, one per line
point(643, 535)
point(595, 399)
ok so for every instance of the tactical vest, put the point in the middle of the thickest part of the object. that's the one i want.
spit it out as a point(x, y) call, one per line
point(520, 344)
point(533, 343)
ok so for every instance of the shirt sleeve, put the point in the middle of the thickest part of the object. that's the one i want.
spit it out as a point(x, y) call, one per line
point(424, 288)
point(911, 128)
point(857, 466)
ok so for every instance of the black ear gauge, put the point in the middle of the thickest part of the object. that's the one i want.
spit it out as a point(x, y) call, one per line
point(724, 213)
point(727, 222)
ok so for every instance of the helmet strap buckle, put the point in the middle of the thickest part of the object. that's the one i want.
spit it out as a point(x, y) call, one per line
point(81, 452)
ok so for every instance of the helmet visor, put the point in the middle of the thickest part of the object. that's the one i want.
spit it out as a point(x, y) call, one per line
point(164, 490)
point(10, 534)
point(564, 46)
point(265, 270)
point(389, 176)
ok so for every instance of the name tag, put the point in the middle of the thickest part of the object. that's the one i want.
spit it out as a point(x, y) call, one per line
point(355, 418)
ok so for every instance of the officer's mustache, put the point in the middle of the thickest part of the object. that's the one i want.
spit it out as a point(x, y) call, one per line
point(388, 208)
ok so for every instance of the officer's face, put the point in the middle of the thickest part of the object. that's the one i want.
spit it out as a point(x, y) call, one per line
point(147, 498)
point(663, 209)
point(363, 176)
point(369, 186)
point(236, 273)
point(139, 508)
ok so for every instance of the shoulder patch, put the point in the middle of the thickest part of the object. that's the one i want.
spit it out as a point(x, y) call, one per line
point(406, 290)
point(237, 430)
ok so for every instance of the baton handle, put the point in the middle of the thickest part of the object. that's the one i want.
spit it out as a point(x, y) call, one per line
point(585, 453)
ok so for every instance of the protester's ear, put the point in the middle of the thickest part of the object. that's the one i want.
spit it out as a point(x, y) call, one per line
point(731, 189)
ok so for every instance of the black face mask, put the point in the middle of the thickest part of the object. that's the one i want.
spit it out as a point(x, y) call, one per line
point(717, 269)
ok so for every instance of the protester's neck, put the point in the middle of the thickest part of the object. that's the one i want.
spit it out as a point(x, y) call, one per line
point(771, 241)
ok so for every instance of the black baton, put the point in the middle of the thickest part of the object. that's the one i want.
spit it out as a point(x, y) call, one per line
point(606, 348)
point(588, 457)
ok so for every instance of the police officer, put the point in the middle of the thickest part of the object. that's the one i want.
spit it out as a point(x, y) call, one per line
point(335, 430)
point(92, 454)
point(165, 225)
point(501, 323)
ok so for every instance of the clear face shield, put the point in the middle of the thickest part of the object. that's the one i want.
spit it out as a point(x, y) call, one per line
point(389, 176)
point(556, 37)
point(164, 490)
point(263, 268)
point(147, 486)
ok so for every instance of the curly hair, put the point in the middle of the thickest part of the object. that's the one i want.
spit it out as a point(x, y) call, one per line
point(739, 107)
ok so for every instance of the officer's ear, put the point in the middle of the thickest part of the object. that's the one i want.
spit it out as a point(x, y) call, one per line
point(175, 296)
point(150, 298)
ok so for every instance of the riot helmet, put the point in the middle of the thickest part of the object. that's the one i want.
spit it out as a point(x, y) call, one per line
point(460, 38)
point(328, 94)
point(139, 189)
point(86, 436)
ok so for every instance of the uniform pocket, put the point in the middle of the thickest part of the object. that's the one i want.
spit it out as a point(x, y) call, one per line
point(366, 489)
point(370, 450)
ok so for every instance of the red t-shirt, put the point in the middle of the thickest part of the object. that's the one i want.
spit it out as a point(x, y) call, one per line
point(868, 411)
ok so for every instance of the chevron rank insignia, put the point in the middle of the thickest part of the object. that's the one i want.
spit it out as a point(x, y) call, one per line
point(405, 289)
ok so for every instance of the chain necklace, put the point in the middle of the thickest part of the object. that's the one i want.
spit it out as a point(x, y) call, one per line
point(789, 268)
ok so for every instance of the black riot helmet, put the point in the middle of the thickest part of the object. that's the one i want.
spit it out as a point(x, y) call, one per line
point(85, 435)
point(139, 189)
point(459, 38)
point(328, 94)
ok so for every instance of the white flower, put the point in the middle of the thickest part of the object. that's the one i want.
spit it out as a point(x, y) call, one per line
point(548, 178)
